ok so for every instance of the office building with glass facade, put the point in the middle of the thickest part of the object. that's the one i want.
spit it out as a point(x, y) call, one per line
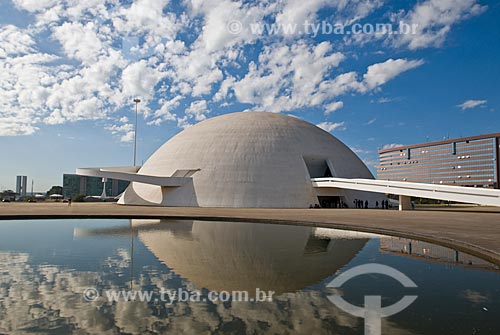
point(22, 185)
point(468, 161)
point(91, 186)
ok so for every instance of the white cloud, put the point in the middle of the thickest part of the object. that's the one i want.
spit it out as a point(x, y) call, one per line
point(359, 151)
point(288, 77)
point(332, 107)
point(471, 104)
point(380, 73)
point(224, 89)
point(341, 84)
point(87, 93)
point(139, 80)
point(15, 128)
point(433, 20)
point(35, 5)
point(198, 110)
point(331, 126)
point(124, 130)
point(147, 16)
point(166, 111)
point(15, 41)
point(24, 90)
point(216, 33)
point(82, 109)
point(392, 145)
point(298, 11)
point(79, 41)
point(194, 72)
point(127, 137)
point(385, 100)
point(107, 54)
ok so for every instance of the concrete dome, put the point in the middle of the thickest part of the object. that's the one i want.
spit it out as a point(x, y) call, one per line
point(249, 159)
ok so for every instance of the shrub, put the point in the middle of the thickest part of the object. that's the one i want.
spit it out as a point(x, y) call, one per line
point(78, 198)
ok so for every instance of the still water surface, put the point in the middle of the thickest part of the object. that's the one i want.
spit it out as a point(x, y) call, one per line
point(46, 265)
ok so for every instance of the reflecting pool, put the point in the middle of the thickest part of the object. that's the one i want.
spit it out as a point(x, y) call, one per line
point(159, 276)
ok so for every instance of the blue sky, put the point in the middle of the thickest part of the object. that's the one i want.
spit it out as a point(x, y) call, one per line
point(70, 70)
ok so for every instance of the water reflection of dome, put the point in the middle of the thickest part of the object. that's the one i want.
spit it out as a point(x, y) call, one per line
point(245, 256)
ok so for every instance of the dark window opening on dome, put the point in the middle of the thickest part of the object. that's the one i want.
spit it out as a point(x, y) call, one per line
point(316, 245)
point(318, 167)
point(328, 173)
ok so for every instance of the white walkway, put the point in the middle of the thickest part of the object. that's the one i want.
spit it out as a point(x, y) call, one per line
point(406, 190)
point(129, 173)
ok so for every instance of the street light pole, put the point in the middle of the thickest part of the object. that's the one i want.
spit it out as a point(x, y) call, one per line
point(136, 100)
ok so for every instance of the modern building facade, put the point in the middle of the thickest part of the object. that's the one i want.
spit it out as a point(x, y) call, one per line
point(22, 185)
point(91, 186)
point(468, 161)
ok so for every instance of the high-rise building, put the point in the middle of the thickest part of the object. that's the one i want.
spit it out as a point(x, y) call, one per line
point(22, 185)
point(93, 186)
point(467, 161)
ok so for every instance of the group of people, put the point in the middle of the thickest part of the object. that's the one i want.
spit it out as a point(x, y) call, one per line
point(357, 204)
point(360, 203)
point(364, 204)
point(385, 204)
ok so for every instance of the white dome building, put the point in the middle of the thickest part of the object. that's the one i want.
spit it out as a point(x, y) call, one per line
point(250, 159)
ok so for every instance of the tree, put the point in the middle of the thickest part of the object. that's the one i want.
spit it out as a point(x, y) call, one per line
point(55, 190)
point(29, 199)
point(78, 198)
point(8, 194)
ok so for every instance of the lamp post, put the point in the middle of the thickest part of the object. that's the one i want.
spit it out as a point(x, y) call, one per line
point(136, 100)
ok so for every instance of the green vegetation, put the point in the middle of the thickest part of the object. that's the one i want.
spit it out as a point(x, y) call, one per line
point(55, 190)
point(29, 199)
point(78, 198)
point(7, 194)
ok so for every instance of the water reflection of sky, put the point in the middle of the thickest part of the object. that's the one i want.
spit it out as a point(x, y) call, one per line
point(45, 266)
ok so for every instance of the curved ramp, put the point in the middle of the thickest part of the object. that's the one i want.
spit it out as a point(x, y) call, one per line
point(480, 196)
